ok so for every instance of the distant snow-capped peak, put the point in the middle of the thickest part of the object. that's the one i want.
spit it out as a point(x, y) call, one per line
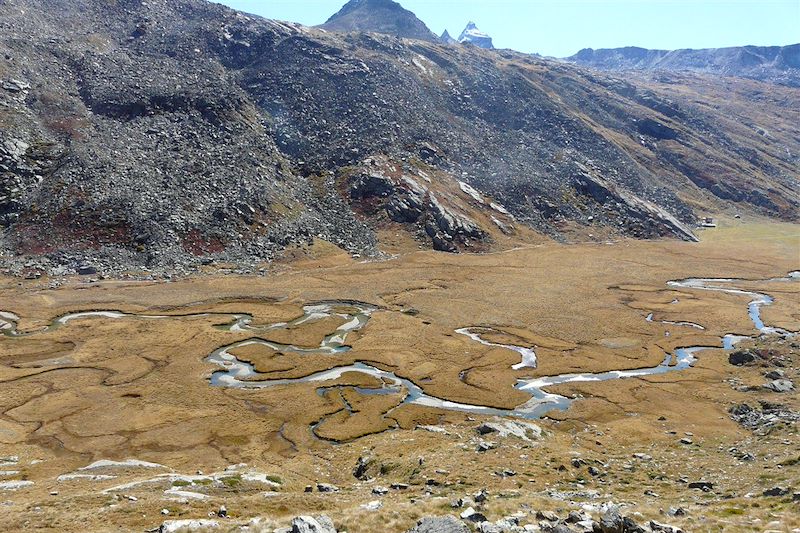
point(473, 35)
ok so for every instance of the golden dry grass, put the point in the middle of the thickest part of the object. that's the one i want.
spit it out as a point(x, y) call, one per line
point(103, 388)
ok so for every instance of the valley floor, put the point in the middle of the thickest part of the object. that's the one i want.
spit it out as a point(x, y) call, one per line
point(134, 384)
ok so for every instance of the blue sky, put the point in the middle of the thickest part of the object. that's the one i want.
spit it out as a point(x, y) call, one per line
point(562, 27)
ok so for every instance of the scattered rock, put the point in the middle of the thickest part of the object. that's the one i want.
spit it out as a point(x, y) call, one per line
point(780, 385)
point(484, 446)
point(327, 487)
point(777, 491)
point(576, 516)
point(380, 491)
point(775, 374)
point(577, 462)
point(559, 528)
point(629, 525)
point(472, 515)
point(761, 419)
point(372, 506)
point(480, 496)
point(655, 526)
point(364, 467)
point(705, 486)
point(86, 270)
point(550, 516)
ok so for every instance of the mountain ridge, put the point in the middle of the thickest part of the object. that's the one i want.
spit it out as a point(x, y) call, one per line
point(777, 64)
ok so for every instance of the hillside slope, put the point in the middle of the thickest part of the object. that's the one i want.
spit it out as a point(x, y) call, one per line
point(168, 133)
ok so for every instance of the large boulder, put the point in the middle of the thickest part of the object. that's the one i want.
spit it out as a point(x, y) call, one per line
point(439, 524)
point(309, 524)
point(742, 358)
point(612, 521)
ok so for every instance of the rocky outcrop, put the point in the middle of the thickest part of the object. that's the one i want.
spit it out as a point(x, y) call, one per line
point(446, 227)
point(644, 218)
point(408, 199)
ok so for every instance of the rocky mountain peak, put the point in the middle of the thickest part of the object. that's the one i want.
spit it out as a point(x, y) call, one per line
point(473, 35)
point(379, 16)
point(447, 38)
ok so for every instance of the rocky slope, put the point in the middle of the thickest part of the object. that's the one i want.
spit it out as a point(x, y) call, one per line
point(170, 133)
point(379, 16)
point(778, 64)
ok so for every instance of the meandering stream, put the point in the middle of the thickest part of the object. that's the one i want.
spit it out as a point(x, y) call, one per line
point(241, 374)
